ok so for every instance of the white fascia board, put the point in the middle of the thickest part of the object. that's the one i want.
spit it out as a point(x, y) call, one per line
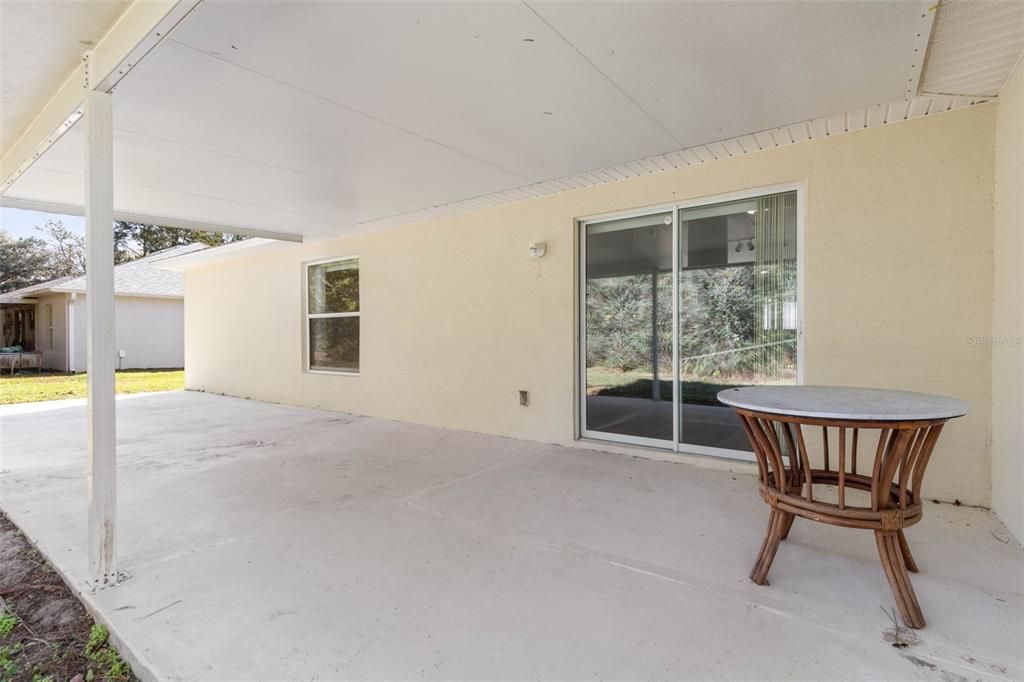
point(24, 300)
point(219, 254)
point(121, 294)
point(137, 31)
point(163, 221)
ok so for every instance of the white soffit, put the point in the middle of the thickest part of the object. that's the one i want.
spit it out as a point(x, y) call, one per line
point(974, 47)
point(41, 43)
point(318, 118)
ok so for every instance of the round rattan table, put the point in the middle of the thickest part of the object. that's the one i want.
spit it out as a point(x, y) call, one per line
point(850, 457)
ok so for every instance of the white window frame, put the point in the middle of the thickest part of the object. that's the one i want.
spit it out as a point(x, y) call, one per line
point(580, 416)
point(307, 316)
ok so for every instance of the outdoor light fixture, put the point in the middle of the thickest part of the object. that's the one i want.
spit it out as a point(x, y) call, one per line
point(538, 249)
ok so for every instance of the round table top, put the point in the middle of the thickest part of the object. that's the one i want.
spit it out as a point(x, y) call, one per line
point(847, 403)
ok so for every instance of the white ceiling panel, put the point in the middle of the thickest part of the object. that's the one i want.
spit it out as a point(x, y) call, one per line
point(181, 95)
point(46, 186)
point(318, 117)
point(711, 70)
point(42, 41)
point(14, 118)
point(146, 163)
point(487, 78)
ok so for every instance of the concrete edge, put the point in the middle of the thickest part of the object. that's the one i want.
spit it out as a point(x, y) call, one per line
point(34, 406)
point(142, 668)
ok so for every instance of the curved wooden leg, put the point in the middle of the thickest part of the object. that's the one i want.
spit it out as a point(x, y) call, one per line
point(891, 554)
point(908, 558)
point(773, 536)
point(787, 525)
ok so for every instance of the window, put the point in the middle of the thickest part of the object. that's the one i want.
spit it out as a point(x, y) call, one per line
point(332, 316)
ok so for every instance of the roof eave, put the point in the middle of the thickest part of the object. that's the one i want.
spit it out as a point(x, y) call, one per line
point(219, 254)
point(133, 294)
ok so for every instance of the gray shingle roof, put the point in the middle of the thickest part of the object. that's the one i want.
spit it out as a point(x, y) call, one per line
point(33, 290)
point(139, 277)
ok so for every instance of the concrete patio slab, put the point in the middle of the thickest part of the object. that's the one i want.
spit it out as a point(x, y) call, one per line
point(273, 542)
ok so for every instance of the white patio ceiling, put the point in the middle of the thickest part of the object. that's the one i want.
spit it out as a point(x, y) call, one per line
point(313, 118)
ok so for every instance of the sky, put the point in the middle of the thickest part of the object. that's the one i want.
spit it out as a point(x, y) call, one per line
point(22, 223)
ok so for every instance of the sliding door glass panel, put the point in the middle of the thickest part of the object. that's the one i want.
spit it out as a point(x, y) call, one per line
point(628, 326)
point(737, 310)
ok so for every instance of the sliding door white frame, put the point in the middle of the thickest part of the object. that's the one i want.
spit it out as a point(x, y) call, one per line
point(581, 317)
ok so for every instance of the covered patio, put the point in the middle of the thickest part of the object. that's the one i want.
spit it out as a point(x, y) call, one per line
point(274, 542)
point(425, 187)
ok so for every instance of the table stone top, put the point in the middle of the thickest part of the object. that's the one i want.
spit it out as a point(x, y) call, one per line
point(841, 402)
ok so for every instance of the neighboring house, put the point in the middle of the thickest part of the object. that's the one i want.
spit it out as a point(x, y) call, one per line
point(149, 303)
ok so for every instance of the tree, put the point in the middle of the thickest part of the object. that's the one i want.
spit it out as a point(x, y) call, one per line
point(60, 252)
point(67, 250)
point(23, 261)
point(621, 319)
point(135, 240)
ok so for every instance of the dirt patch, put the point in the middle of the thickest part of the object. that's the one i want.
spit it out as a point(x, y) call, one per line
point(45, 633)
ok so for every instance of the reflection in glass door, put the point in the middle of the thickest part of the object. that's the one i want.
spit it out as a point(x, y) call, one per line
point(737, 310)
point(628, 317)
point(707, 296)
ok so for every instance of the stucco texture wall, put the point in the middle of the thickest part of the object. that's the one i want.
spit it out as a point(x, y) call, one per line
point(1008, 309)
point(456, 317)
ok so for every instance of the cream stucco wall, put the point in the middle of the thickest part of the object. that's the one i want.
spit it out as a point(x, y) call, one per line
point(456, 317)
point(1008, 309)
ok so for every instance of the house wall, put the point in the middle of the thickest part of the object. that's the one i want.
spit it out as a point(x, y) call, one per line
point(54, 347)
point(78, 332)
point(456, 317)
point(1008, 309)
point(150, 331)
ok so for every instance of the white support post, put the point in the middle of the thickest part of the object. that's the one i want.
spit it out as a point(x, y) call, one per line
point(99, 302)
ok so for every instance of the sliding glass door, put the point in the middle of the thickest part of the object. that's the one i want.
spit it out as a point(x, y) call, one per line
point(737, 310)
point(628, 311)
point(677, 305)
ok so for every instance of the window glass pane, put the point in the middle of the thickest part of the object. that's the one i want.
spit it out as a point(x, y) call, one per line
point(737, 309)
point(334, 287)
point(628, 269)
point(334, 343)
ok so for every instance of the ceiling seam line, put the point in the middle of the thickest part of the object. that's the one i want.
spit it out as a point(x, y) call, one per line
point(364, 114)
point(271, 165)
point(603, 74)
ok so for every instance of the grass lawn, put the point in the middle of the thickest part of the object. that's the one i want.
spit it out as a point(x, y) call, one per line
point(29, 387)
